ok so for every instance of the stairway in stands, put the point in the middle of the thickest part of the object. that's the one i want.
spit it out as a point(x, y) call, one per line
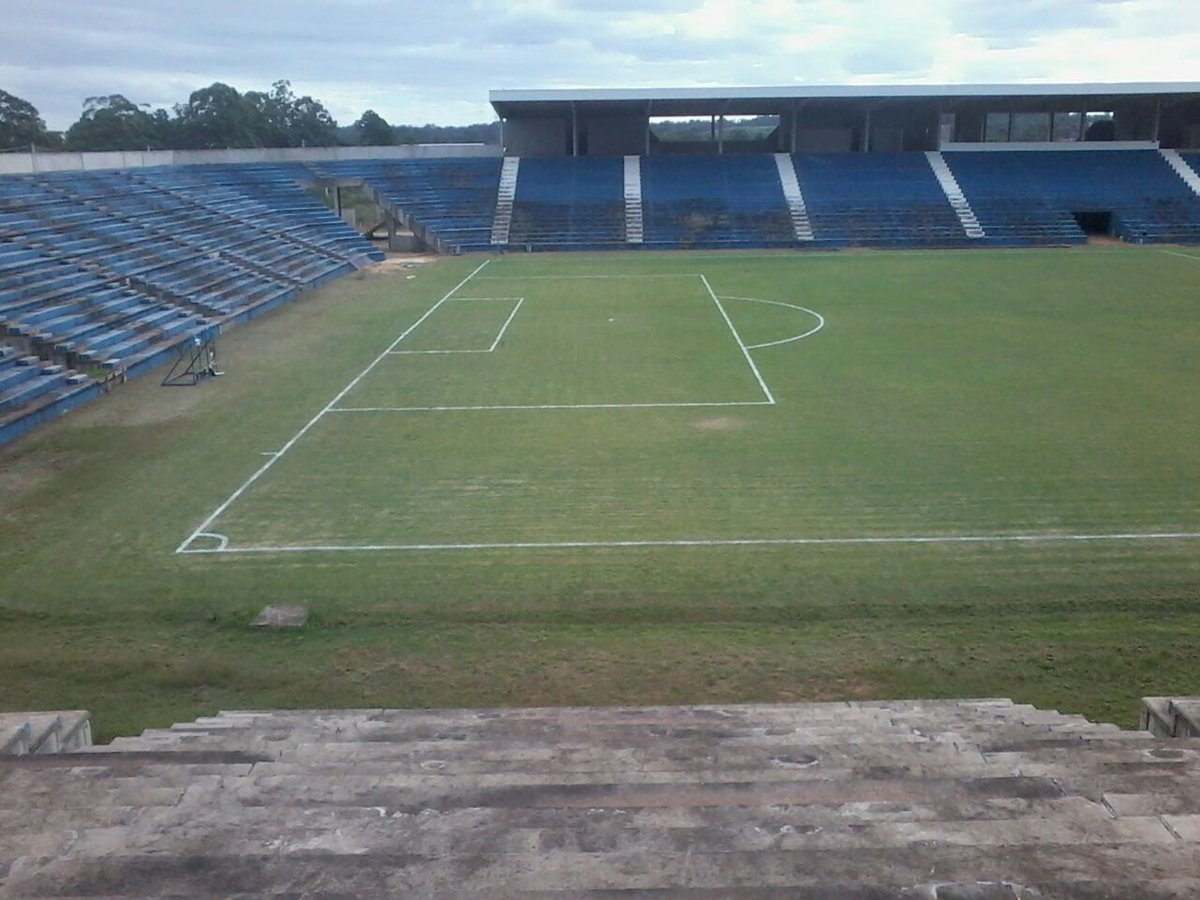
point(634, 228)
point(954, 194)
point(794, 197)
point(1189, 175)
point(507, 192)
point(941, 800)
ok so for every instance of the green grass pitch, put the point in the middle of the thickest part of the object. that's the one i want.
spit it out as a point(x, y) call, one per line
point(633, 479)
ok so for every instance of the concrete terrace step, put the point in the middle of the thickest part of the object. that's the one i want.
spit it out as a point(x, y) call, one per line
point(983, 799)
point(44, 732)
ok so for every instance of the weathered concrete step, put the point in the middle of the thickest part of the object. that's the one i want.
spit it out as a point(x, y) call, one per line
point(213, 809)
point(1172, 716)
point(262, 730)
point(432, 839)
point(44, 732)
point(449, 793)
point(133, 761)
point(1124, 868)
point(1171, 802)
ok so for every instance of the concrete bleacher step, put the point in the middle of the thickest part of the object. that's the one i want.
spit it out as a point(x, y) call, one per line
point(973, 799)
point(1171, 717)
point(44, 732)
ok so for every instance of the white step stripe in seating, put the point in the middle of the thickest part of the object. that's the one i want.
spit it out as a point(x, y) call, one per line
point(954, 194)
point(1182, 169)
point(502, 223)
point(634, 233)
point(794, 197)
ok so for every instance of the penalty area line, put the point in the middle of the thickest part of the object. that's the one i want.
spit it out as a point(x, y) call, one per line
point(713, 542)
point(741, 344)
point(518, 406)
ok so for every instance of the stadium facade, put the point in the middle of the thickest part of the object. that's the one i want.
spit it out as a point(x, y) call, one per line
point(831, 119)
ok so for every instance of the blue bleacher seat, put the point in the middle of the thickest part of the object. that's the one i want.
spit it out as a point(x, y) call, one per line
point(876, 200)
point(732, 200)
point(1030, 196)
point(569, 203)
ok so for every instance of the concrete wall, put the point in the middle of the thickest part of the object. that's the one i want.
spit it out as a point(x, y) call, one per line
point(537, 137)
point(824, 140)
point(31, 163)
point(616, 135)
point(887, 140)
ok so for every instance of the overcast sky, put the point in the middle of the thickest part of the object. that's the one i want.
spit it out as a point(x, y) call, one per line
point(417, 61)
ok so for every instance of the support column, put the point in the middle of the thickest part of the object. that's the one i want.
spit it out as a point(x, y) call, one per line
point(574, 129)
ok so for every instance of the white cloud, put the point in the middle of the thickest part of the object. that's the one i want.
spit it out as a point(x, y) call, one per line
point(421, 60)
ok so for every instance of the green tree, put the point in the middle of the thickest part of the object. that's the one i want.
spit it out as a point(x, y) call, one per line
point(20, 124)
point(115, 123)
point(310, 124)
point(216, 117)
point(285, 120)
point(373, 130)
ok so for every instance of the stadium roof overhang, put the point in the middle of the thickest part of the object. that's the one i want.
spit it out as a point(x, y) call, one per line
point(776, 100)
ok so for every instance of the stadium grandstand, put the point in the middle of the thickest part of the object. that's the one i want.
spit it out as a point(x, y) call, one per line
point(114, 263)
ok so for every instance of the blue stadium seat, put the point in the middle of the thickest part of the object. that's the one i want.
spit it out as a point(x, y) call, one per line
point(714, 201)
point(569, 203)
point(1032, 196)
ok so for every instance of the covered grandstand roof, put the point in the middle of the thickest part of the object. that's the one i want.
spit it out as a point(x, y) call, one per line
point(756, 100)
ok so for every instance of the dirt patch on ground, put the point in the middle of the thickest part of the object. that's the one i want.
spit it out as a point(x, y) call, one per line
point(719, 423)
point(398, 262)
point(22, 473)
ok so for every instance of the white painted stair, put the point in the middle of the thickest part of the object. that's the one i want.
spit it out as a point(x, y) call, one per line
point(954, 194)
point(634, 228)
point(502, 223)
point(1182, 169)
point(794, 197)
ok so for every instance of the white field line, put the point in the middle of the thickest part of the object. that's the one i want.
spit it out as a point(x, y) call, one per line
point(737, 337)
point(799, 337)
point(585, 277)
point(1180, 255)
point(532, 406)
point(503, 328)
point(733, 542)
point(420, 352)
point(271, 460)
point(494, 343)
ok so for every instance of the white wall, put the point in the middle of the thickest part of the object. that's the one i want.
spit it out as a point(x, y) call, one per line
point(31, 163)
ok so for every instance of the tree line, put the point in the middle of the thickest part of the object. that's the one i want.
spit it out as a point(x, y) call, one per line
point(217, 117)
